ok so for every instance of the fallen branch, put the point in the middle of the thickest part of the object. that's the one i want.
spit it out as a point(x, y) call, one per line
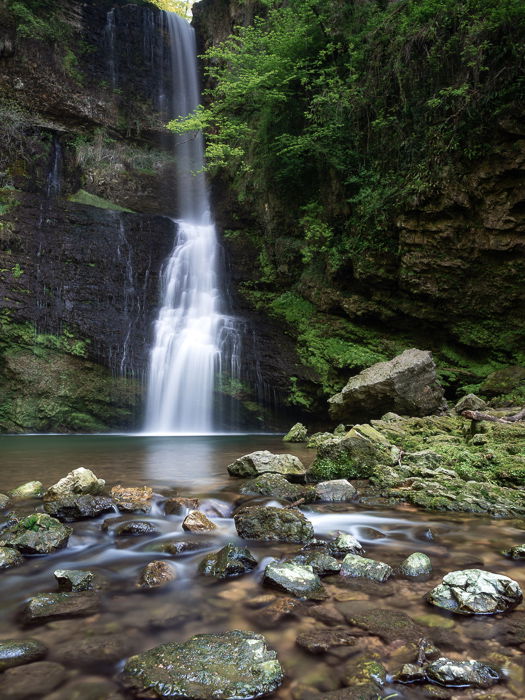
point(295, 503)
point(479, 416)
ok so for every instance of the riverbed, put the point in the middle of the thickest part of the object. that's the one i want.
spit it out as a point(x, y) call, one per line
point(93, 649)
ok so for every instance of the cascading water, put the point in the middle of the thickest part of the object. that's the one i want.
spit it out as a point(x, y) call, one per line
point(194, 339)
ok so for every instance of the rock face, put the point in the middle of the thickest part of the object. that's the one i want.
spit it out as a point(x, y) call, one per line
point(354, 565)
point(273, 485)
point(451, 672)
point(264, 461)
point(297, 579)
point(273, 524)
point(297, 433)
point(132, 499)
point(17, 652)
point(407, 385)
point(38, 533)
point(228, 562)
point(208, 666)
point(474, 591)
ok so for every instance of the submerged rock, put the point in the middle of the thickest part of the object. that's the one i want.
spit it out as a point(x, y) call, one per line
point(180, 506)
point(474, 591)
point(354, 565)
point(131, 499)
point(263, 461)
point(407, 384)
point(335, 490)
point(273, 485)
point(271, 524)
point(345, 544)
point(297, 433)
point(157, 574)
point(33, 680)
point(389, 625)
point(227, 562)
point(74, 580)
point(70, 507)
point(38, 533)
point(80, 481)
point(233, 664)
point(9, 558)
point(136, 528)
point(297, 579)
point(416, 564)
point(17, 652)
point(451, 672)
point(470, 402)
point(33, 489)
point(196, 521)
point(51, 606)
point(319, 641)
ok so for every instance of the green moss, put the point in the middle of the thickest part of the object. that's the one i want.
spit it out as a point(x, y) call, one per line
point(92, 200)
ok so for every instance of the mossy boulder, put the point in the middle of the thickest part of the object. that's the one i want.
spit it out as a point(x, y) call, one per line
point(297, 433)
point(233, 664)
point(269, 524)
point(470, 402)
point(263, 461)
point(38, 533)
point(276, 486)
point(74, 580)
point(228, 562)
point(503, 381)
point(321, 561)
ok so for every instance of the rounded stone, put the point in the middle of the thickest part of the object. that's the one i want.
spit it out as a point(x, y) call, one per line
point(417, 564)
point(17, 652)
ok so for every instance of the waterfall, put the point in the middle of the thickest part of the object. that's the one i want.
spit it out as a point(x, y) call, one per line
point(194, 339)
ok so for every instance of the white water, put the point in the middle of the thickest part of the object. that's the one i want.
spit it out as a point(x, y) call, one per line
point(191, 330)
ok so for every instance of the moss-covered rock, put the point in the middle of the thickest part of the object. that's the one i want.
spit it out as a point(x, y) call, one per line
point(297, 433)
point(276, 486)
point(264, 461)
point(17, 652)
point(38, 533)
point(228, 562)
point(270, 524)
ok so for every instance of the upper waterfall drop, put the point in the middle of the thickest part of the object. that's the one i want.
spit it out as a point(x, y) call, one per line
point(193, 337)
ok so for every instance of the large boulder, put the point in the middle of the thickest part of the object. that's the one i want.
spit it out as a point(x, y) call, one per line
point(233, 664)
point(38, 533)
point(503, 381)
point(407, 385)
point(264, 461)
point(336, 490)
point(474, 591)
point(9, 558)
point(80, 481)
point(270, 524)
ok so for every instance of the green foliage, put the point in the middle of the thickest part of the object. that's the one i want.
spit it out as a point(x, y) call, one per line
point(92, 200)
point(25, 335)
point(17, 271)
point(38, 19)
point(70, 62)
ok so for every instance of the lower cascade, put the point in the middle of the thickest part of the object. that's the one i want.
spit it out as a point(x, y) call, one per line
point(194, 340)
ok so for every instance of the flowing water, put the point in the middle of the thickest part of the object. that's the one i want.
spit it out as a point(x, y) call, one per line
point(194, 339)
point(133, 620)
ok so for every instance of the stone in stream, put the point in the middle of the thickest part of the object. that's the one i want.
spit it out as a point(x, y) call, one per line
point(407, 384)
point(9, 558)
point(270, 524)
point(516, 552)
point(136, 528)
point(32, 489)
point(33, 680)
point(227, 562)
point(297, 433)
point(451, 672)
point(74, 580)
point(233, 664)
point(320, 560)
point(157, 574)
point(354, 565)
point(473, 591)
point(297, 579)
point(345, 544)
point(276, 486)
point(263, 461)
point(80, 481)
point(37, 533)
point(4, 501)
point(179, 506)
point(336, 490)
point(44, 607)
point(196, 521)
point(319, 641)
point(70, 507)
point(417, 564)
point(17, 652)
point(132, 499)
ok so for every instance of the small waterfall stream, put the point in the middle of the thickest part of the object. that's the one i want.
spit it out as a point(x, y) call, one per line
point(193, 337)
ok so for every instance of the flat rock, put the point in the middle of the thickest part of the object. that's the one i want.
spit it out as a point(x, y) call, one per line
point(17, 652)
point(136, 528)
point(407, 385)
point(228, 562)
point(297, 579)
point(297, 433)
point(51, 606)
point(32, 489)
point(451, 672)
point(80, 481)
point(157, 574)
point(274, 485)
point(355, 565)
point(30, 681)
point(74, 580)
point(71, 507)
point(417, 564)
point(233, 664)
point(319, 641)
point(336, 490)
point(196, 521)
point(264, 461)
point(180, 506)
point(37, 533)
point(132, 499)
point(473, 591)
point(271, 524)
point(9, 558)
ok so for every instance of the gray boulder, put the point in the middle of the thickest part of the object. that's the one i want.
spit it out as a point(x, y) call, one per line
point(297, 433)
point(470, 402)
point(38, 533)
point(407, 385)
point(451, 672)
point(263, 461)
point(273, 485)
point(80, 481)
point(271, 524)
point(356, 566)
point(336, 490)
point(474, 591)
point(297, 579)
point(17, 652)
point(71, 507)
point(232, 664)
point(416, 564)
point(227, 562)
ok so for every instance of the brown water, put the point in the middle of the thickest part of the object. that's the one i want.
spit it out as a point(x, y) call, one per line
point(93, 649)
